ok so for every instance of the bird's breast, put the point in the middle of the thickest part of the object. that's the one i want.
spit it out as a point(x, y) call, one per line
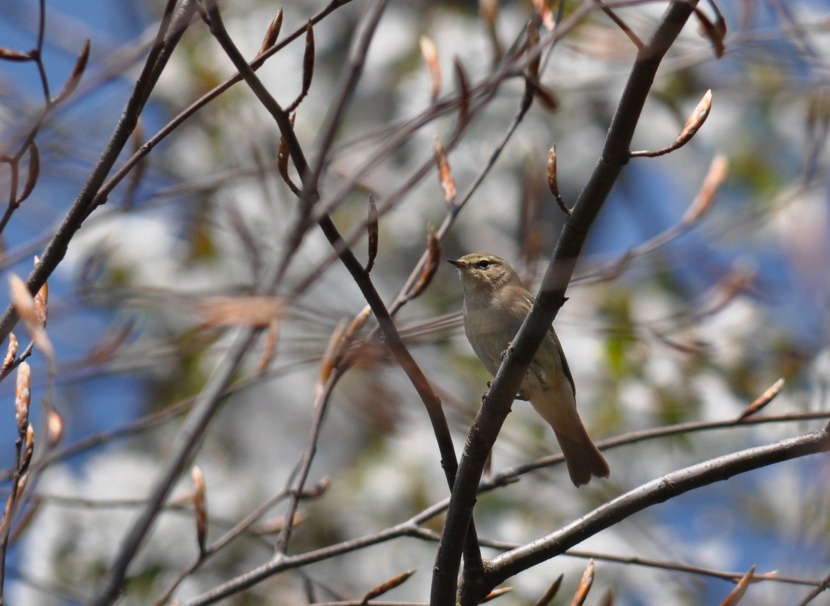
point(490, 329)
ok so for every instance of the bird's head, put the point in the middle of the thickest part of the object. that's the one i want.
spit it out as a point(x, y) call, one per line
point(483, 271)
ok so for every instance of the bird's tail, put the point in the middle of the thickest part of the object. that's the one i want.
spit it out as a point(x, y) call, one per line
point(558, 408)
point(582, 457)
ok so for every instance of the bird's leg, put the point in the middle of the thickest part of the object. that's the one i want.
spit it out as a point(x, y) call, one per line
point(519, 395)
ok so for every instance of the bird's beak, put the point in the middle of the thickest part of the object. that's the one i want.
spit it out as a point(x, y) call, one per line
point(459, 263)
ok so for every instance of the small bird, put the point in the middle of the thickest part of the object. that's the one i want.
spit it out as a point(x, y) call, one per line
point(495, 305)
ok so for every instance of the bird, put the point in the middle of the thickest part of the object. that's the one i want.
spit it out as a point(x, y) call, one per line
point(495, 305)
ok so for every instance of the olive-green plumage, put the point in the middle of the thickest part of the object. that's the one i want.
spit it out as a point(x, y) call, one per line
point(495, 305)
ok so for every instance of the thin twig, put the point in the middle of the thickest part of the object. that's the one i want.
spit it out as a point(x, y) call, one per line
point(822, 587)
point(243, 525)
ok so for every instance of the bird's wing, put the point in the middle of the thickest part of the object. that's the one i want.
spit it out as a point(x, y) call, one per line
point(547, 357)
point(566, 370)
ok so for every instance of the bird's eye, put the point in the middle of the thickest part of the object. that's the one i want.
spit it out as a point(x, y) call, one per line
point(483, 264)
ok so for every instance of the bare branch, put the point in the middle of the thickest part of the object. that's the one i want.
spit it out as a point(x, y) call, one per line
point(669, 486)
point(86, 200)
point(551, 297)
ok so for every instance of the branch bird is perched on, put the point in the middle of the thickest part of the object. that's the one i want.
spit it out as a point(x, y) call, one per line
point(495, 305)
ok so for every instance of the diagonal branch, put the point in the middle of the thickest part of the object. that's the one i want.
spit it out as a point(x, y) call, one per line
point(496, 406)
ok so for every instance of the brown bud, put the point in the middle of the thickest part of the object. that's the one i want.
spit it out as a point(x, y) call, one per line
point(553, 184)
point(75, 77)
point(54, 427)
point(24, 304)
point(463, 94)
point(330, 356)
point(200, 506)
point(8, 54)
point(308, 67)
point(584, 585)
point(321, 487)
point(548, 596)
point(308, 58)
point(379, 590)
point(22, 396)
point(28, 448)
point(372, 229)
point(718, 171)
point(693, 124)
point(739, 590)
point(696, 119)
point(761, 401)
point(543, 10)
point(353, 328)
point(41, 300)
point(272, 34)
point(431, 266)
point(496, 593)
point(33, 174)
point(11, 353)
point(21, 483)
point(444, 172)
point(553, 181)
point(430, 54)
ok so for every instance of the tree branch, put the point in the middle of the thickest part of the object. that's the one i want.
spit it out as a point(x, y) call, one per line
point(496, 405)
point(167, 37)
point(309, 197)
point(657, 491)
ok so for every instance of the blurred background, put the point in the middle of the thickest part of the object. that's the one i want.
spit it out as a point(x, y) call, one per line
point(669, 320)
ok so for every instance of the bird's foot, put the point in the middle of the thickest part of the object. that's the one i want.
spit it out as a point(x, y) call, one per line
point(519, 396)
